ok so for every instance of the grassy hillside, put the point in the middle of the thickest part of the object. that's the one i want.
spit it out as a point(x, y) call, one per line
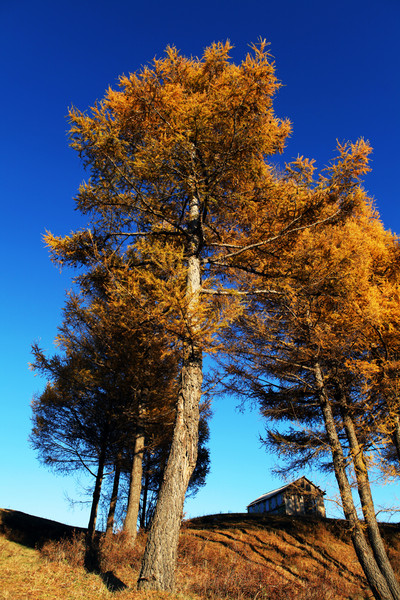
point(233, 557)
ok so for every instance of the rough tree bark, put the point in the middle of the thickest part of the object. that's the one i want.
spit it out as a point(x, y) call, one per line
point(135, 486)
point(158, 566)
point(375, 578)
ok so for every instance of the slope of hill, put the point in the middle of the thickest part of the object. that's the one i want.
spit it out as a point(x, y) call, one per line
point(235, 556)
point(32, 531)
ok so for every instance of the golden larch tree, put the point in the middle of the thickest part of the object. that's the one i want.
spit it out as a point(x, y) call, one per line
point(179, 173)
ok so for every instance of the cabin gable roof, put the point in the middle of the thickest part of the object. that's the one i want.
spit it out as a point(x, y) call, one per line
point(280, 490)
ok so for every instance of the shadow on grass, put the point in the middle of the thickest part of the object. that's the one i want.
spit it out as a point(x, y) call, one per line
point(112, 582)
point(92, 565)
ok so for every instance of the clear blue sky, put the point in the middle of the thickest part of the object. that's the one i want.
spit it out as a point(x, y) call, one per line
point(340, 66)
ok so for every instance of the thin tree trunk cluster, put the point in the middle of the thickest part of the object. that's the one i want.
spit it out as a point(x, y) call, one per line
point(135, 488)
point(372, 555)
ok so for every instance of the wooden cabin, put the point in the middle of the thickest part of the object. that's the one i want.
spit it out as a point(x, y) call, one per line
point(300, 497)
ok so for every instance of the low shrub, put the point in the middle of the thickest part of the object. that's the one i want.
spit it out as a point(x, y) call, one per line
point(70, 549)
point(112, 552)
point(117, 551)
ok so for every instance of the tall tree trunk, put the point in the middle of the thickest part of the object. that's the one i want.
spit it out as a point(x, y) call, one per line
point(396, 434)
point(114, 498)
point(158, 567)
point(159, 561)
point(143, 514)
point(376, 580)
point(97, 491)
point(367, 503)
point(135, 486)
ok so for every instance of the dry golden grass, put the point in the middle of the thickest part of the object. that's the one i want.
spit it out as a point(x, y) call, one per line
point(224, 557)
point(300, 560)
point(27, 574)
point(24, 575)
